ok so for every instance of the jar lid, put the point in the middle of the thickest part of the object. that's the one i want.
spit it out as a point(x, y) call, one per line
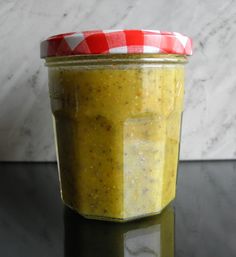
point(116, 42)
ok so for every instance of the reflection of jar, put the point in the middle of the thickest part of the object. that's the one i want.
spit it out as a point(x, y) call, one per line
point(153, 236)
point(117, 119)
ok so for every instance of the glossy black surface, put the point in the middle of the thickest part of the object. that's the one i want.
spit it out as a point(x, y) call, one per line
point(201, 223)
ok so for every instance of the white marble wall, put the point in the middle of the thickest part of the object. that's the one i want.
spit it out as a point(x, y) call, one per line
point(209, 125)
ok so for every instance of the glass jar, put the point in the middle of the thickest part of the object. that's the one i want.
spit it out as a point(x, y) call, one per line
point(117, 120)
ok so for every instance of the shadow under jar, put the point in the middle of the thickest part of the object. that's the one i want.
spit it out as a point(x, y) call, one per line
point(117, 120)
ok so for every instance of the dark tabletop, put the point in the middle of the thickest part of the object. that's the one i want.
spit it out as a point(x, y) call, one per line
point(201, 221)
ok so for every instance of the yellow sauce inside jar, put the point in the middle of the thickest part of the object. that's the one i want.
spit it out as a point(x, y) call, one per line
point(117, 131)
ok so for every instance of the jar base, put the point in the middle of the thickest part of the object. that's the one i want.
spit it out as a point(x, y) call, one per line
point(118, 220)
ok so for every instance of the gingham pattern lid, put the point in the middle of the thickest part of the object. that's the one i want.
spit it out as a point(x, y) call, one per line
point(116, 42)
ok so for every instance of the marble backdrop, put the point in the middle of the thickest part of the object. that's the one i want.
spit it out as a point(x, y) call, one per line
point(209, 124)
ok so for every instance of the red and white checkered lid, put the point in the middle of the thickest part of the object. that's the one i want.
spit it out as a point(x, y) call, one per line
point(116, 42)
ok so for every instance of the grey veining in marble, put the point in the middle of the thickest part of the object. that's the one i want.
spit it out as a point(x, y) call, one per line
point(209, 124)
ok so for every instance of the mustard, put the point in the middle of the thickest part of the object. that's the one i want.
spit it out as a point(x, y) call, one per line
point(117, 131)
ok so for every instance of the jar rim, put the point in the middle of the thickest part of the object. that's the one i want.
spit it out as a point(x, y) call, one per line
point(115, 59)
